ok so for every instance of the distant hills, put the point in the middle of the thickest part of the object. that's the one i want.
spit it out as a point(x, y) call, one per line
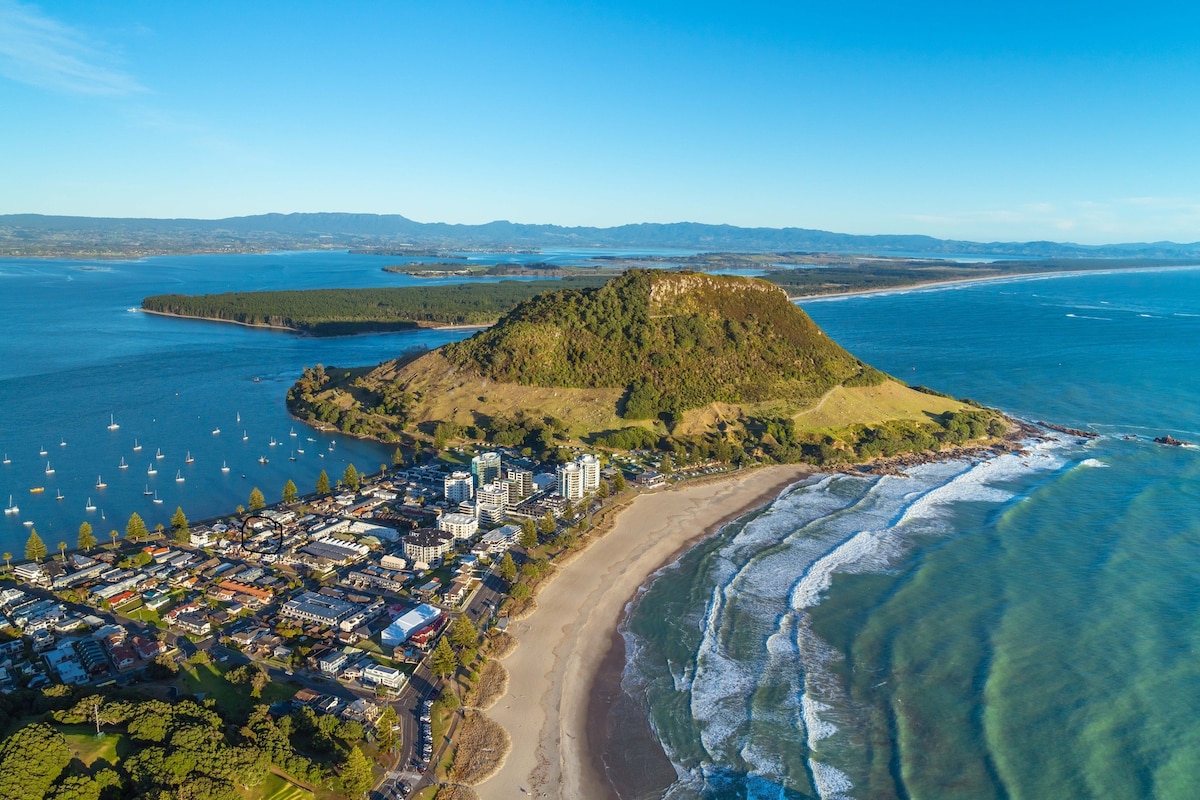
point(35, 234)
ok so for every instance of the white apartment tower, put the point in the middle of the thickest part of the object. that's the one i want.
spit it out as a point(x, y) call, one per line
point(570, 481)
point(591, 471)
point(520, 484)
point(458, 487)
point(491, 502)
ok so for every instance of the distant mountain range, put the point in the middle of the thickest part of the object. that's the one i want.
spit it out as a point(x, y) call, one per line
point(35, 234)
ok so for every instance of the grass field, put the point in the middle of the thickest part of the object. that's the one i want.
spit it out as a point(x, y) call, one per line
point(209, 680)
point(276, 787)
point(89, 749)
point(868, 405)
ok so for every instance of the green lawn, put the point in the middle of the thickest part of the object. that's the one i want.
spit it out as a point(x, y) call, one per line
point(209, 680)
point(276, 787)
point(89, 749)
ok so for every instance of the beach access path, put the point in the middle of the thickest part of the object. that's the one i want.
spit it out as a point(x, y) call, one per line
point(563, 643)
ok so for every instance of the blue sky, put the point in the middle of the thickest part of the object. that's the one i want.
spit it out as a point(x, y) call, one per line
point(987, 122)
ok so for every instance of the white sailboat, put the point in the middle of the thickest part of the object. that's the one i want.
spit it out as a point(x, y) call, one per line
point(122, 465)
point(300, 450)
point(7, 460)
point(100, 484)
point(188, 458)
point(156, 497)
point(11, 508)
point(42, 451)
point(49, 469)
point(150, 470)
point(179, 477)
point(239, 418)
point(147, 492)
point(244, 436)
point(63, 443)
point(273, 442)
point(216, 431)
point(59, 496)
point(136, 446)
point(112, 423)
point(159, 453)
point(89, 506)
point(293, 432)
point(263, 460)
point(292, 457)
point(224, 467)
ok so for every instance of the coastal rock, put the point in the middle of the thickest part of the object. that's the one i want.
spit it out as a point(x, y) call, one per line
point(1170, 441)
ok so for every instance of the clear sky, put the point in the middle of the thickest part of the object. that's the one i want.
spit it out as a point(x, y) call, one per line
point(986, 121)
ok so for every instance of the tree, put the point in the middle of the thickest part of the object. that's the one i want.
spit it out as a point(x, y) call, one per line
point(322, 483)
point(385, 733)
point(529, 536)
point(113, 534)
point(356, 775)
point(7, 560)
point(136, 528)
point(547, 526)
point(257, 500)
point(667, 466)
point(35, 548)
point(258, 681)
point(398, 458)
point(443, 662)
point(602, 491)
point(463, 633)
point(86, 540)
point(520, 591)
point(62, 551)
point(618, 483)
point(350, 478)
point(290, 492)
point(30, 761)
point(179, 526)
point(507, 569)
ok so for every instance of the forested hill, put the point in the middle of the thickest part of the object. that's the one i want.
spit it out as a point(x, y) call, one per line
point(674, 340)
point(334, 312)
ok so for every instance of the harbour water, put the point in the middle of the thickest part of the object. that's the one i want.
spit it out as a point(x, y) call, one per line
point(1024, 626)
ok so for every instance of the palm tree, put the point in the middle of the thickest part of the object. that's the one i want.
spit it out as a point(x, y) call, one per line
point(7, 559)
point(113, 534)
point(62, 551)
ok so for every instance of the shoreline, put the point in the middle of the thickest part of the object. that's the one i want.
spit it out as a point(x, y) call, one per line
point(416, 326)
point(561, 675)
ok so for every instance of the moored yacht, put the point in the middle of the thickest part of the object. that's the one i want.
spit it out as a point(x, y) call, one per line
point(112, 423)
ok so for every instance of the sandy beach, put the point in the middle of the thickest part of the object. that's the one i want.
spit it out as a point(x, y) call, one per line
point(554, 671)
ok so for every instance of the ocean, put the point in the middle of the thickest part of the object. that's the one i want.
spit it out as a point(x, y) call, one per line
point(1023, 626)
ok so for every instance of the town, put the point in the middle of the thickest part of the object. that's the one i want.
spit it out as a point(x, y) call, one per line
point(360, 601)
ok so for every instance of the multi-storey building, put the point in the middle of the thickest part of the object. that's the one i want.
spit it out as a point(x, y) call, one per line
point(427, 545)
point(485, 468)
point(570, 481)
point(461, 526)
point(591, 471)
point(520, 484)
point(458, 486)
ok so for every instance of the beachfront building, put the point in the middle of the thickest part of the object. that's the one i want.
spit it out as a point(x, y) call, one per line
point(427, 545)
point(409, 622)
point(590, 466)
point(491, 502)
point(485, 468)
point(383, 676)
point(458, 487)
point(570, 481)
point(461, 526)
point(520, 484)
point(319, 608)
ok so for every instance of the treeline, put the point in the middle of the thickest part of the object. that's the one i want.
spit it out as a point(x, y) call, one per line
point(335, 312)
point(179, 748)
point(674, 341)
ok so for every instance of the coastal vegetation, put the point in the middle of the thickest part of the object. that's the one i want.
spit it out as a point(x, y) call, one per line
point(702, 367)
point(337, 312)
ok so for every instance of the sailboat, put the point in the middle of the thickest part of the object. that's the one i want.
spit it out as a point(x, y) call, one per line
point(292, 457)
point(188, 458)
point(89, 506)
point(136, 446)
point(60, 495)
point(159, 453)
point(147, 492)
point(179, 476)
point(42, 451)
point(224, 467)
point(112, 423)
point(7, 460)
point(300, 450)
point(100, 484)
point(63, 443)
point(122, 465)
point(49, 469)
point(156, 497)
point(244, 436)
point(263, 460)
point(239, 418)
point(293, 432)
point(216, 431)
point(273, 442)
point(150, 470)
point(11, 508)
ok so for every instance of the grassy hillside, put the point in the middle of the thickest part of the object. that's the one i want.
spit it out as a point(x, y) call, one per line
point(704, 366)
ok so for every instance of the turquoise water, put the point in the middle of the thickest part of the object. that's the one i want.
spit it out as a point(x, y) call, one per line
point(1025, 626)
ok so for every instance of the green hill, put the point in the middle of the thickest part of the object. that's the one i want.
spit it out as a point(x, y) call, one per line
point(712, 366)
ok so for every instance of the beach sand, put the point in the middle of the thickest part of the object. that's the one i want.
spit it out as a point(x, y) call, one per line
point(558, 748)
